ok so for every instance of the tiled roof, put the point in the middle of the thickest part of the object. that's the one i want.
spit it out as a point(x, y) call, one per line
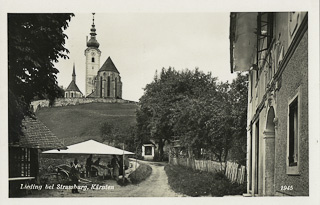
point(37, 135)
point(73, 87)
point(109, 66)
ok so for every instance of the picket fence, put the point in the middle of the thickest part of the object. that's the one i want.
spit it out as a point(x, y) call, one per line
point(233, 171)
point(203, 165)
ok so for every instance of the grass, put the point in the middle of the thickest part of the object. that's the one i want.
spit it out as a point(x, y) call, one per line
point(140, 174)
point(196, 183)
point(78, 123)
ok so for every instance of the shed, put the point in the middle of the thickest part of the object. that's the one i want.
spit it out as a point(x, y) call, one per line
point(24, 154)
point(148, 149)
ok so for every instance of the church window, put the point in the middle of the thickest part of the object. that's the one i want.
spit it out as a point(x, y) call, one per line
point(66, 95)
point(115, 88)
point(92, 60)
point(108, 87)
point(72, 95)
point(101, 87)
point(92, 67)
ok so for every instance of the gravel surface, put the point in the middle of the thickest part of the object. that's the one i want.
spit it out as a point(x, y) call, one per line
point(154, 186)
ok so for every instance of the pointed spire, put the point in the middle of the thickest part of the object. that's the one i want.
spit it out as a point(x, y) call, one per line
point(93, 42)
point(74, 73)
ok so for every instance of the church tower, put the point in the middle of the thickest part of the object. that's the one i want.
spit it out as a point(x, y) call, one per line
point(92, 54)
point(73, 91)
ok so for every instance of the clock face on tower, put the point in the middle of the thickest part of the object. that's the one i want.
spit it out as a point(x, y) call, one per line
point(93, 53)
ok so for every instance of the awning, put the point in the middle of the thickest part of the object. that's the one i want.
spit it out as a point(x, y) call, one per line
point(243, 40)
point(89, 147)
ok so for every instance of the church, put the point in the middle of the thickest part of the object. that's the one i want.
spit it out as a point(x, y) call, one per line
point(72, 90)
point(104, 81)
point(101, 82)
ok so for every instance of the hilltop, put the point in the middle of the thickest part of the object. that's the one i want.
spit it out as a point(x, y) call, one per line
point(81, 122)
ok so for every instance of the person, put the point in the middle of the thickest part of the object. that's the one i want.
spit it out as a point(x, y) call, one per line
point(115, 165)
point(97, 162)
point(75, 175)
point(88, 166)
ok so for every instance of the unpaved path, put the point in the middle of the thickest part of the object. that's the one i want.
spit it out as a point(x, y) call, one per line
point(156, 185)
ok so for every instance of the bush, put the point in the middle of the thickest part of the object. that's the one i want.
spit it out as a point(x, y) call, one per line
point(197, 183)
point(140, 174)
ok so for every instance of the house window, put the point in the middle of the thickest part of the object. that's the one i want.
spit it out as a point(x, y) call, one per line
point(264, 38)
point(148, 150)
point(20, 162)
point(92, 60)
point(251, 85)
point(293, 134)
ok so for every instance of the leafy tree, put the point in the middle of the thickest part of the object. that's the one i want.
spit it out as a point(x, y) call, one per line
point(116, 136)
point(35, 42)
point(160, 102)
point(205, 116)
point(239, 96)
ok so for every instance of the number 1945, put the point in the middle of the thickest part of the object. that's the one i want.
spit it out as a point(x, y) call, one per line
point(287, 188)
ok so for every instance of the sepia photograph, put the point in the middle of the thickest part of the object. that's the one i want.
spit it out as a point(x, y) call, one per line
point(170, 103)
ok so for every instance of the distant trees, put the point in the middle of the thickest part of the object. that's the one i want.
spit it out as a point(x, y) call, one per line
point(195, 109)
point(117, 136)
point(35, 42)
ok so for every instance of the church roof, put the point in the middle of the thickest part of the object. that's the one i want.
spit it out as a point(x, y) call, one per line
point(73, 87)
point(109, 66)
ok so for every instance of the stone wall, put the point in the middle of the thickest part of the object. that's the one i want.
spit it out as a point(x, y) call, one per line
point(35, 105)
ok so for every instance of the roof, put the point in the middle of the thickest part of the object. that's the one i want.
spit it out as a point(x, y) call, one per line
point(37, 135)
point(243, 40)
point(73, 87)
point(92, 95)
point(148, 142)
point(89, 147)
point(109, 66)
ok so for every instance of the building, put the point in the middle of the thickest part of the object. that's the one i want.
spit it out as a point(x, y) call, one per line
point(72, 90)
point(148, 150)
point(101, 82)
point(273, 48)
point(24, 154)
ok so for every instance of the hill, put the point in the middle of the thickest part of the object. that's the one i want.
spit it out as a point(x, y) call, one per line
point(78, 123)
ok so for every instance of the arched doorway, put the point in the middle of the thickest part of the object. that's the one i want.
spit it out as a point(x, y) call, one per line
point(269, 153)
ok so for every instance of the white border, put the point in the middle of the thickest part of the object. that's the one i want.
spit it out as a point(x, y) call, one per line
point(88, 6)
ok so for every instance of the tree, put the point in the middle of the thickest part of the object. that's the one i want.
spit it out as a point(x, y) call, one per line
point(208, 118)
point(35, 42)
point(117, 136)
point(239, 96)
point(159, 105)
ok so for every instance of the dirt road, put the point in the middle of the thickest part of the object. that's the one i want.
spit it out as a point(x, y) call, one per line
point(154, 186)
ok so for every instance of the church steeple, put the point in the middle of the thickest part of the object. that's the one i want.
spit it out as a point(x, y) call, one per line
point(93, 41)
point(74, 73)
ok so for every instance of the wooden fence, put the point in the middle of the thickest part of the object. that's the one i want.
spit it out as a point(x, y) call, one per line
point(233, 171)
point(203, 165)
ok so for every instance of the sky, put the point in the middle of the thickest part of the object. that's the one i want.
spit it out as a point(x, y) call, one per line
point(141, 43)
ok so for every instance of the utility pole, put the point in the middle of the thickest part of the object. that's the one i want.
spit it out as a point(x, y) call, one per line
point(123, 168)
